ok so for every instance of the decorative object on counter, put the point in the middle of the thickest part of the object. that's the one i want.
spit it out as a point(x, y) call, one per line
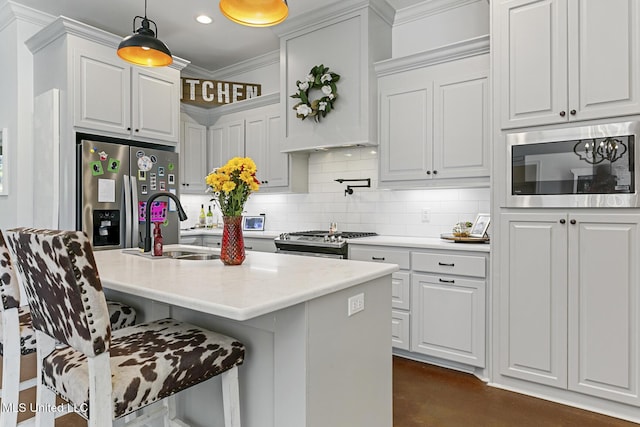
point(253, 223)
point(349, 189)
point(255, 13)
point(143, 47)
point(462, 229)
point(318, 78)
point(231, 185)
point(464, 239)
point(480, 226)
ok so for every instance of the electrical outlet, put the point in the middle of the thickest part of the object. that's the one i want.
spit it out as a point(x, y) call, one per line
point(356, 304)
point(426, 215)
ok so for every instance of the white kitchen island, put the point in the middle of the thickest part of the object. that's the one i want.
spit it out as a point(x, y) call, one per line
point(308, 363)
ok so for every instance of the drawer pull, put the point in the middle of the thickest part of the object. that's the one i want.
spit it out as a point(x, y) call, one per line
point(377, 258)
point(248, 248)
point(446, 264)
point(446, 281)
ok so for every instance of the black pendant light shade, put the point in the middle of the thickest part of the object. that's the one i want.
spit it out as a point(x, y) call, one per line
point(143, 47)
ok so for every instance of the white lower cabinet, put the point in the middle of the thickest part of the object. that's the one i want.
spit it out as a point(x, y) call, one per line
point(259, 244)
point(570, 302)
point(448, 310)
point(440, 314)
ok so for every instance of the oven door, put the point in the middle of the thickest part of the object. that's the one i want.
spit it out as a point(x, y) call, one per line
point(305, 253)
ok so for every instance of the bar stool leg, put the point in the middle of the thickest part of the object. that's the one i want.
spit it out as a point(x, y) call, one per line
point(45, 398)
point(10, 369)
point(231, 397)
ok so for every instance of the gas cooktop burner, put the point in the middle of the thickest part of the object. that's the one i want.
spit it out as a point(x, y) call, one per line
point(343, 234)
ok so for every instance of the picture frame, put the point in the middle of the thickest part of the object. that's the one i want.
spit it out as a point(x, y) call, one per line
point(253, 223)
point(480, 225)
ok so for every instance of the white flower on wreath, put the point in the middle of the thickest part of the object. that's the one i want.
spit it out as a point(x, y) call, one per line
point(303, 85)
point(303, 110)
point(326, 89)
point(322, 105)
point(331, 96)
point(325, 78)
point(310, 78)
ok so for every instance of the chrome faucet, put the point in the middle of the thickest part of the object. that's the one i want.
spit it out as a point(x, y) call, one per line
point(147, 216)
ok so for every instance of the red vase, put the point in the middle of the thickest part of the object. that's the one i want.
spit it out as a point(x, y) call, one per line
point(232, 251)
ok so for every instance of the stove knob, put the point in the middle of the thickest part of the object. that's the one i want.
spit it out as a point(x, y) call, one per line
point(327, 239)
point(284, 236)
point(339, 238)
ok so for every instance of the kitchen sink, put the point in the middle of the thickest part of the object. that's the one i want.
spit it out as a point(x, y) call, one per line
point(190, 255)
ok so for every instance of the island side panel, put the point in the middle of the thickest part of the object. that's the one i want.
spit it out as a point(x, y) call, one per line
point(349, 365)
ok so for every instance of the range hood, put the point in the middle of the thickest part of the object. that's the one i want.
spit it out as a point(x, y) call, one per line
point(348, 37)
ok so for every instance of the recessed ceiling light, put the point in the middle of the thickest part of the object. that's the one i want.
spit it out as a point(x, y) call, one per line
point(204, 19)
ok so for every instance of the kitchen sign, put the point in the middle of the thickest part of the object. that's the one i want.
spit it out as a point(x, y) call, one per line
point(211, 93)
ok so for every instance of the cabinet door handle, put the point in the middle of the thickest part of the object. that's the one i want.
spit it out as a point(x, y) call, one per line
point(435, 172)
point(377, 258)
point(446, 264)
point(563, 113)
point(428, 172)
point(249, 248)
point(572, 112)
point(573, 221)
point(562, 221)
point(128, 128)
point(137, 130)
point(446, 281)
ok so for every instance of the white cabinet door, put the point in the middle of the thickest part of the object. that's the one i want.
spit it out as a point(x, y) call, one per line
point(448, 318)
point(102, 99)
point(562, 60)
point(604, 38)
point(255, 144)
point(155, 104)
point(604, 306)
point(533, 297)
point(531, 50)
point(277, 162)
point(227, 142)
point(193, 158)
point(400, 329)
point(259, 244)
point(461, 126)
point(406, 137)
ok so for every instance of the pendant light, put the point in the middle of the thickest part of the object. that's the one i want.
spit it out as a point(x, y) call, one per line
point(143, 47)
point(255, 13)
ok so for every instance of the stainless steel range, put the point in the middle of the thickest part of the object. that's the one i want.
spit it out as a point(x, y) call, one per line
point(318, 243)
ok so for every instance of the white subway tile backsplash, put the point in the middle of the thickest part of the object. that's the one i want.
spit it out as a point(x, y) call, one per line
point(387, 212)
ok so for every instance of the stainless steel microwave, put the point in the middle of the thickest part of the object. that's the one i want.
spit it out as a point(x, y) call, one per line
point(587, 166)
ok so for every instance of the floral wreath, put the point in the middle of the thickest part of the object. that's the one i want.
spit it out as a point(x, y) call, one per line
point(318, 78)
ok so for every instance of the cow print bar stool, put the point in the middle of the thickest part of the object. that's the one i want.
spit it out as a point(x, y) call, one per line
point(110, 375)
point(17, 337)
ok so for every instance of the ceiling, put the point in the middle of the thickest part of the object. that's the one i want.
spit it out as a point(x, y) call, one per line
point(213, 46)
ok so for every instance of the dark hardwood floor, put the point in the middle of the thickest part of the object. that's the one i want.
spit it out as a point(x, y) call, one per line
point(430, 396)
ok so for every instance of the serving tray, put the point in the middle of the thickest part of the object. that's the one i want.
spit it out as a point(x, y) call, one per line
point(467, 239)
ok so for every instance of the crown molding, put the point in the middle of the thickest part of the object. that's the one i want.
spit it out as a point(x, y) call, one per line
point(320, 17)
point(428, 8)
point(451, 52)
point(11, 11)
point(269, 58)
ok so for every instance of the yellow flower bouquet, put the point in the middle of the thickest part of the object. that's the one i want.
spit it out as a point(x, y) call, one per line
point(232, 184)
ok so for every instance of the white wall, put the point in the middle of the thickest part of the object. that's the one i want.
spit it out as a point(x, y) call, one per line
point(382, 211)
point(17, 24)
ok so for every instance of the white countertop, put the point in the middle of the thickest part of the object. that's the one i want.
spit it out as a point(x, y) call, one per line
point(420, 242)
point(264, 283)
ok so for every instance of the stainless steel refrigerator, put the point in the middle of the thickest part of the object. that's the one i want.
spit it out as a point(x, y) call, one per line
point(114, 182)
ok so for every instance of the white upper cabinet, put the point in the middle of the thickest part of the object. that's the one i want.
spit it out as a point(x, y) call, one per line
point(257, 133)
point(193, 157)
point(564, 60)
point(434, 117)
point(116, 97)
